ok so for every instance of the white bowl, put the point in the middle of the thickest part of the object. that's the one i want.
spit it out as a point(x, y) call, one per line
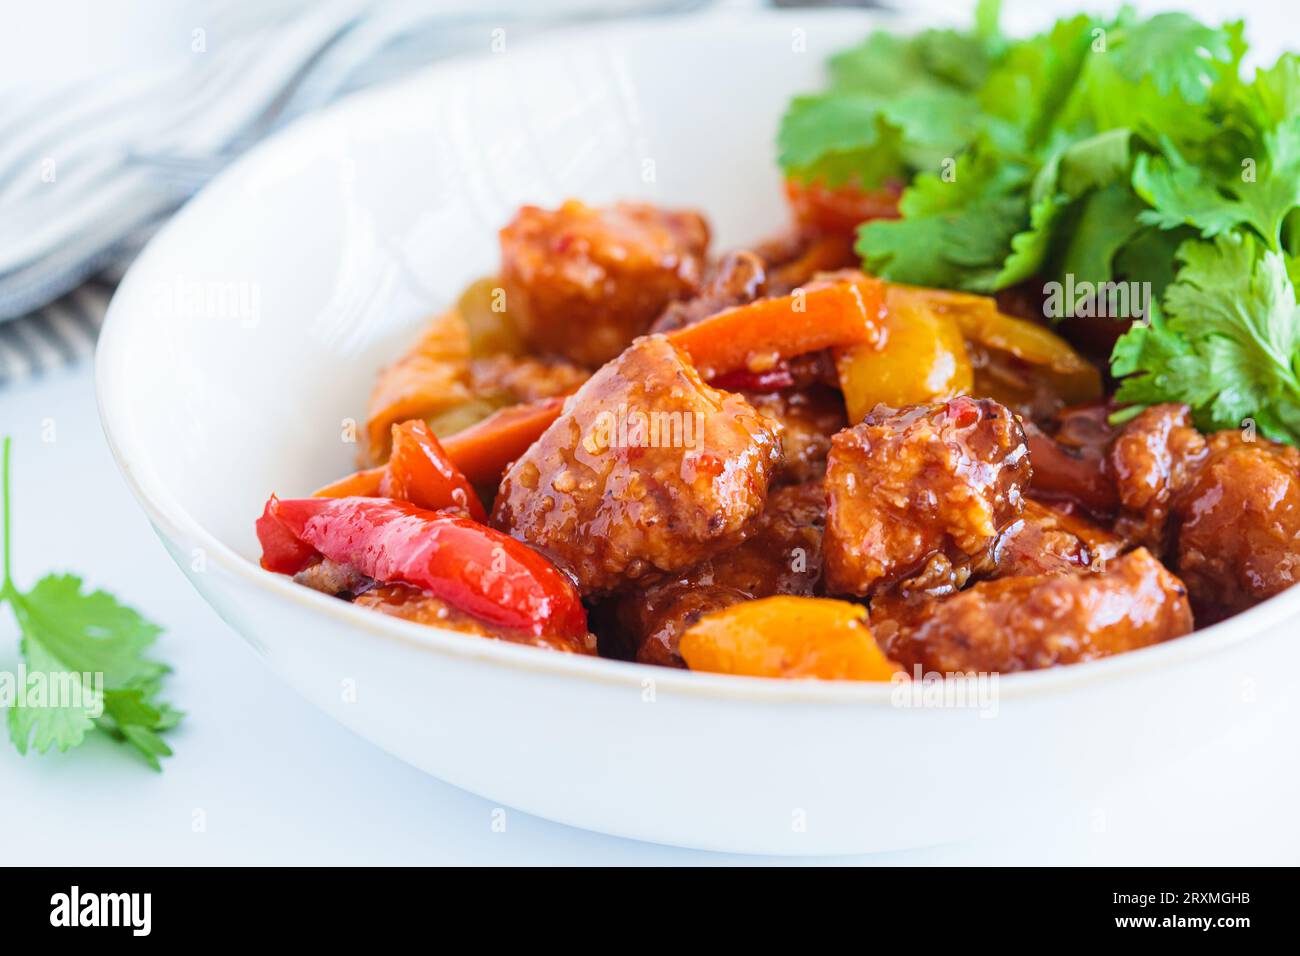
point(246, 338)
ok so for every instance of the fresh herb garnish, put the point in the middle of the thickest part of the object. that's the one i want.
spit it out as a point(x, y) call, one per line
point(84, 665)
point(1103, 150)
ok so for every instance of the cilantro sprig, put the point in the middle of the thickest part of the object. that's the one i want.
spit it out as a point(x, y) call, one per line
point(84, 664)
point(1103, 150)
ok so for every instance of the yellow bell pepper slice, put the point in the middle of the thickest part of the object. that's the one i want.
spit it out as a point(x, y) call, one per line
point(1069, 374)
point(920, 357)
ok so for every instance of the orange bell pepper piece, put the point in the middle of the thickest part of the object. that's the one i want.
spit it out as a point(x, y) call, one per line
point(480, 453)
point(788, 637)
point(483, 450)
point(755, 336)
point(359, 484)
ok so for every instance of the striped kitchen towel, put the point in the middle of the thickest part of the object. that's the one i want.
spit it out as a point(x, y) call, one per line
point(88, 174)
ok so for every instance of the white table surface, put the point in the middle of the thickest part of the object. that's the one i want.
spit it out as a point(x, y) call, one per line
point(278, 782)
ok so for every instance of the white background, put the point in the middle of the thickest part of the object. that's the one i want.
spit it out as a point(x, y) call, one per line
point(274, 781)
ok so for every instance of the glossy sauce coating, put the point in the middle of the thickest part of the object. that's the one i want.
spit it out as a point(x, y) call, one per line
point(1027, 623)
point(1069, 459)
point(412, 604)
point(924, 492)
point(1238, 523)
point(647, 472)
point(782, 556)
point(1152, 460)
point(810, 418)
point(582, 282)
point(706, 466)
point(332, 578)
point(432, 377)
point(738, 278)
point(1044, 540)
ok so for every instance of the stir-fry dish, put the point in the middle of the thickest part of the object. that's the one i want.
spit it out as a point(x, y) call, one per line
point(783, 461)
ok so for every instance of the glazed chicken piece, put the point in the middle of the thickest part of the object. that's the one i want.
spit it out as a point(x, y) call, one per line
point(648, 625)
point(1026, 623)
point(1238, 524)
point(810, 418)
point(581, 282)
point(412, 604)
point(783, 556)
point(1152, 459)
point(738, 278)
point(1045, 540)
point(647, 472)
point(1128, 475)
point(335, 579)
point(921, 494)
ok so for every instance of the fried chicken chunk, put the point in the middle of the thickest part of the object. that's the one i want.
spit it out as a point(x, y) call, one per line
point(921, 493)
point(1151, 460)
point(647, 472)
point(1026, 623)
point(412, 604)
point(783, 556)
point(583, 282)
point(809, 417)
point(738, 278)
point(1045, 540)
point(1238, 523)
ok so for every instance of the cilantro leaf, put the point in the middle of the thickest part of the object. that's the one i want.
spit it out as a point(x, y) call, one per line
point(1106, 221)
point(1274, 96)
point(1176, 52)
point(1228, 343)
point(55, 706)
point(1179, 195)
point(88, 632)
point(84, 655)
point(956, 230)
point(1262, 198)
point(814, 126)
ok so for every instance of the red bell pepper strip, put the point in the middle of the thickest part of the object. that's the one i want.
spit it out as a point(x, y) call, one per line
point(774, 379)
point(471, 567)
point(420, 472)
point(282, 551)
point(1075, 475)
point(839, 210)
